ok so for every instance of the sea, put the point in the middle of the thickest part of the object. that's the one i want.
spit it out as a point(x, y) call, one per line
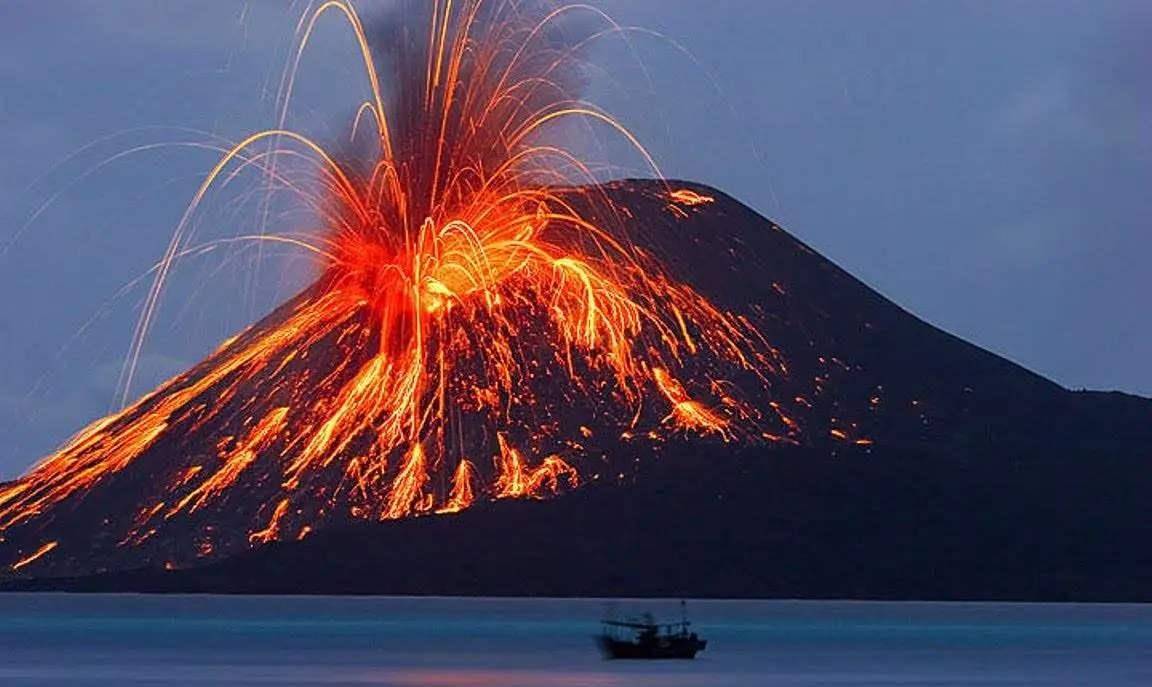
point(105, 640)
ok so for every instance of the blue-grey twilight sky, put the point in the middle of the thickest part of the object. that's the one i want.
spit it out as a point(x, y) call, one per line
point(988, 165)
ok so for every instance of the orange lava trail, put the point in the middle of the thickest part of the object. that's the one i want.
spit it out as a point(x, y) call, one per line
point(36, 555)
point(463, 493)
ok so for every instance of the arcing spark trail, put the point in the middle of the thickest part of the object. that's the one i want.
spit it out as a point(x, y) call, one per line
point(483, 320)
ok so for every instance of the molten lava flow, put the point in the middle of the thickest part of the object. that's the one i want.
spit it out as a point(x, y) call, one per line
point(686, 196)
point(481, 296)
point(462, 494)
point(235, 461)
point(686, 413)
point(517, 480)
point(34, 556)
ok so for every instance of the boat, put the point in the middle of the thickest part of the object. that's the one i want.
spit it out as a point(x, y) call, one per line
point(645, 638)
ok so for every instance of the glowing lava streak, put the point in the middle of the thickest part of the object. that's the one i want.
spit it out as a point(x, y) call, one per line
point(476, 280)
point(35, 556)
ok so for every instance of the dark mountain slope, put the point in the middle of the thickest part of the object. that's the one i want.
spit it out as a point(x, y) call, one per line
point(982, 479)
point(905, 525)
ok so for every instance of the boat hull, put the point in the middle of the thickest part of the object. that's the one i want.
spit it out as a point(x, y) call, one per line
point(670, 648)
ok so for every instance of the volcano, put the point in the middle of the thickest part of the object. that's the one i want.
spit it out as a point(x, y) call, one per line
point(890, 460)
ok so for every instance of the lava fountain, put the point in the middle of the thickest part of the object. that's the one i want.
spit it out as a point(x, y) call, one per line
point(485, 325)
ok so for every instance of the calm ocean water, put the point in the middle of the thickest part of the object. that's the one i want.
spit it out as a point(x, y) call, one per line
point(212, 640)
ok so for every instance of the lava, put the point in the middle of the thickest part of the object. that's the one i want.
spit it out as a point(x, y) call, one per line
point(476, 288)
point(34, 556)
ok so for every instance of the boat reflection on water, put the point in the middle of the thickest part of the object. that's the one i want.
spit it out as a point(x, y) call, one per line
point(645, 638)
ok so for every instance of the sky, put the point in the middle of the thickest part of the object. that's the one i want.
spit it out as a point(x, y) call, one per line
point(986, 165)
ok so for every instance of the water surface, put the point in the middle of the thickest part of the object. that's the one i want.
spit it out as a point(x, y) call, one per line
point(106, 640)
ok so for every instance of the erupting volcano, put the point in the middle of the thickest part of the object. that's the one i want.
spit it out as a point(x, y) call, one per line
point(490, 322)
point(493, 322)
